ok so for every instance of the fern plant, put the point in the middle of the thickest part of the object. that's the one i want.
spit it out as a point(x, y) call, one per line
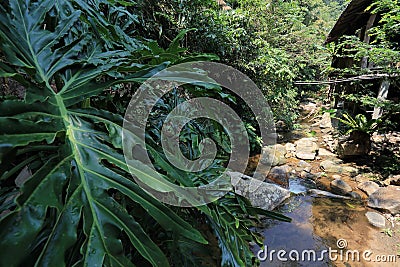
point(359, 124)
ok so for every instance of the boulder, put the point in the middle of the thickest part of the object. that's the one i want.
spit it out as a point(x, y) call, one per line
point(279, 175)
point(392, 180)
point(368, 187)
point(326, 121)
point(357, 144)
point(263, 195)
point(331, 166)
point(306, 148)
point(325, 153)
point(273, 155)
point(339, 186)
point(376, 219)
point(386, 198)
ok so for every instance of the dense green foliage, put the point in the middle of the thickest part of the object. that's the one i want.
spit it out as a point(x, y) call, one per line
point(383, 56)
point(273, 42)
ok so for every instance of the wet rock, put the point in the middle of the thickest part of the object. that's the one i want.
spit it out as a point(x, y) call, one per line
point(368, 187)
point(326, 121)
point(279, 175)
point(376, 219)
point(386, 198)
point(392, 180)
point(317, 192)
point(306, 148)
point(274, 155)
point(325, 153)
point(331, 166)
point(263, 195)
point(339, 186)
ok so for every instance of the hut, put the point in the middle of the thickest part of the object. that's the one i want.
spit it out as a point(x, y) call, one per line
point(357, 20)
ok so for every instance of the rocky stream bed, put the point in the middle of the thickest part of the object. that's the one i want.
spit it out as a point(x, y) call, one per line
point(333, 203)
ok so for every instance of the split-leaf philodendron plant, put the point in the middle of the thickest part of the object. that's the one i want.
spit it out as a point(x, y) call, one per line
point(66, 195)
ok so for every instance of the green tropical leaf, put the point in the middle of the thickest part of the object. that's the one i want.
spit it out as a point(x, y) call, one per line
point(66, 204)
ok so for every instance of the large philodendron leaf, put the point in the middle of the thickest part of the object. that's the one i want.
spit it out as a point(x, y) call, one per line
point(63, 211)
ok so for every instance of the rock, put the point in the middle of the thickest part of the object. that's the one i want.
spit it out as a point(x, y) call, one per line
point(306, 148)
point(386, 198)
point(281, 126)
point(280, 175)
point(310, 106)
point(376, 219)
point(263, 195)
point(318, 192)
point(392, 180)
point(355, 195)
point(336, 176)
point(358, 145)
point(290, 147)
point(307, 175)
point(331, 166)
point(339, 186)
point(303, 165)
point(325, 153)
point(327, 130)
point(326, 121)
point(367, 177)
point(368, 187)
point(273, 155)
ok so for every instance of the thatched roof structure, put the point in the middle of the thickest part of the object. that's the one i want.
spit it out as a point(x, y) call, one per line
point(354, 17)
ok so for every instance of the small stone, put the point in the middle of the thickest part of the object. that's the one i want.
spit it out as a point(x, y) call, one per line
point(336, 176)
point(325, 153)
point(290, 147)
point(376, 219)
point(339, 186)
point(326, 121)
point(368, 187)
point(392, 180)
point(354, 195)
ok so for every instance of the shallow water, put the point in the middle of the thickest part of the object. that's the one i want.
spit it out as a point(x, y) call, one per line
point(317, 224)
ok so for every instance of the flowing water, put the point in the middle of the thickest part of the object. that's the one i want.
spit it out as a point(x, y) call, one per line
point(319, 224)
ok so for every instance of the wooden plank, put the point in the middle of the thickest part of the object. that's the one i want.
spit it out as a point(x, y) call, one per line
point(382, 95)
point(367, 37)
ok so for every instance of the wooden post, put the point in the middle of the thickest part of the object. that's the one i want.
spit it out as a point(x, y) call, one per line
point(382, 95)
point(366, 39)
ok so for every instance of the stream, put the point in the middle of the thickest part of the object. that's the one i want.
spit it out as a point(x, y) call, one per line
point(320, 223)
